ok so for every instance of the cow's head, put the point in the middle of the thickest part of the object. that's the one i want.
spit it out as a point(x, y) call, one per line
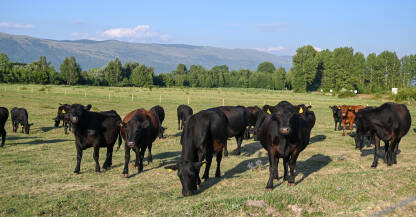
point(134, 130)
point(76, 111)
point(188, 173)
point(285, 114)
point(27, 128)
point(344, 110)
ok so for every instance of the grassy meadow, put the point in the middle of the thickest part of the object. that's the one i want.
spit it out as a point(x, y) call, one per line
point(333, 179)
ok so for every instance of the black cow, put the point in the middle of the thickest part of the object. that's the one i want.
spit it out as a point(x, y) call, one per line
point(160, 112)
point(308, 115)
point(336, 114)
point(389, 122)
point(94, 129)
point(140, 129)
point(238, 119)
point(184, 113)
point(63, 116)
point(20, 116)
point(4, 115)
point(284, 134)
point(255, 112)
point(204, 135)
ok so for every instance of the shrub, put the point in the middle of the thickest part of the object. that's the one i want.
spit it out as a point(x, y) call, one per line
point(405, 94)
point(346, 94)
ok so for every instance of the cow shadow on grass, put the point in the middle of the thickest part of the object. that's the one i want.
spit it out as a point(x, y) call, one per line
point(381, 153)
point(311, 165)
point(47, 129)
point(307, 167)
point(23, 137)
point(41, 141)
point(166, 158)
point(317, 138)
point(249, 149)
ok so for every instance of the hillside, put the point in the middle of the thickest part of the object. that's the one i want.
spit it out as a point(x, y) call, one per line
point(163, 57)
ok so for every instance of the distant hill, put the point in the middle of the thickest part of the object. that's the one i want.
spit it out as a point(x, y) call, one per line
point(163, 57)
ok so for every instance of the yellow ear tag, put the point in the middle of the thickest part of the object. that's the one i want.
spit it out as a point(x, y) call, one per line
point(268, 111)
point(121, 124)
point(170, 170)
point(300, 110)
point(63, 111)
point(204, 164)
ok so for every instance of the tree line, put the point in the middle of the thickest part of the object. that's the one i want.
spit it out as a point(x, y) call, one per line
point(339, 70)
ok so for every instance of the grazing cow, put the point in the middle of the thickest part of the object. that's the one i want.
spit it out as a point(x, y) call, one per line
point(20, 116)
point(254, 114)
point(284, 134)
point(348, 116)
point(63, 116)
point(140, 129)
point(160, 112)
point(238, 119)
point(389, 123)
point(4, 115)
point(204, 135)
point(184, 113)
point(336, 113)
point(94, 129)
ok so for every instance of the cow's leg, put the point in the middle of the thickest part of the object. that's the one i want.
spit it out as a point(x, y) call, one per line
point(285, 161)
point(96, 156)
point(209, 161)
point(376, 150)
point(292, 164)
point(396, 148)
point(126, 161)
point(247, 132)
point(225, 149)
point(137, 153)
point(272, 161)
point(23, 127)
point(109, 158)
point(79, 158)
point(149, 155)
point(65, 127)
point(351, 126)
point(3, 136)
point(180, 124)
point(239, 139)
point(344, 125)
point(390, 151)
point(141, 156)
point(276, 171)
point(335, 128)
point(218, 170)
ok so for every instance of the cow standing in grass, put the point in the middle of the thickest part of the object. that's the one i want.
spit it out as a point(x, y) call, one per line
point(255, 112)
point(284, 134)
point(94, 129)
point(139, 131)
point(184, 112)
point(204, 135)
point(63, 116)
point(160, 112)
point(4, 115)
point(336, 114)
point(348, 116)
point(389, 123)
point(20, 116)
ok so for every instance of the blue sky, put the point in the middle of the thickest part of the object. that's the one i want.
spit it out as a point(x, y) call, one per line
point(279, 27)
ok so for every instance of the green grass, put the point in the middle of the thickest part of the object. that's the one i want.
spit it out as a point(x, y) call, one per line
point(36, 169)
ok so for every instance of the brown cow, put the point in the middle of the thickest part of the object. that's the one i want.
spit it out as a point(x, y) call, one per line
point(348, 115)
point(140, 128)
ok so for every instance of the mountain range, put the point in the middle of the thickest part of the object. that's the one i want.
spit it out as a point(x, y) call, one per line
point(163, 57)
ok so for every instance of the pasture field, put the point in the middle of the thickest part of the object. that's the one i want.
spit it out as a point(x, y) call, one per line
point(333, 179)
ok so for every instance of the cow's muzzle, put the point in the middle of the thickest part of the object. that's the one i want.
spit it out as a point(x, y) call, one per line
point(285, 130)
point(130, 144)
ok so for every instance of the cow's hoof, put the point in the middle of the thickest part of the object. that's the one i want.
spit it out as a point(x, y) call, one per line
point(198, 187)
point(373, 165)
point(269, 189)
point(291, 184)
point(75, 173)
point(217, 175)
point(125, 175)
point(237, 153)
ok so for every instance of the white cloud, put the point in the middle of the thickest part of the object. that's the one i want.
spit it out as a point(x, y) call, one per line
point(317, 48)
point(141, 33)
point(77, 22)
point(16, 25)
point(272, 49)
point(271, 27)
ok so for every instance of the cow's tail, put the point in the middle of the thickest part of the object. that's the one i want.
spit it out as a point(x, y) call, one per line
point(119, 140)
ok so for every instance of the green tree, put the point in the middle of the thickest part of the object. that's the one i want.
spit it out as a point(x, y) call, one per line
point(266, 67)
point(279, 78)
point(408, 70)
point(113, 72)
point(70, 71)
point(142, 76)
point(4, 66)
point(389, 66)
point(304, 67)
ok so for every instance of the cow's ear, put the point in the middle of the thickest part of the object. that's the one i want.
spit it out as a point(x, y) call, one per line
point(30, 124)
point(145, 124)
point(309, 106)
point(172, 167)
point(122, 124)
point(88, 107)
point(60, 103)
point(338, 107)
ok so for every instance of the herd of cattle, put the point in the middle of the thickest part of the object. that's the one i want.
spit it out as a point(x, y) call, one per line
point(283, 130)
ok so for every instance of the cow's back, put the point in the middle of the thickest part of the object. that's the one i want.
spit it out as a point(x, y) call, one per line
point(404, 118)
point(4, 115)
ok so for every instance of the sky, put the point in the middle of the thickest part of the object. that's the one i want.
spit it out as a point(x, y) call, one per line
point(278, 27)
